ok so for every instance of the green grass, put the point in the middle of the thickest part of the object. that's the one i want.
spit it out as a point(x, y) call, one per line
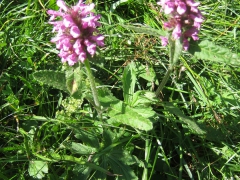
point(45, 133)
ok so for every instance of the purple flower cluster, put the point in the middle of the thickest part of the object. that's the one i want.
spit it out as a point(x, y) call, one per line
point(185, 20)
point(76, 31)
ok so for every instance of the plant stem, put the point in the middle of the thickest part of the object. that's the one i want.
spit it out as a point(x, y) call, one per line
point(164, 81)
point(148, 144)
point(175, 51)
point(92, 84)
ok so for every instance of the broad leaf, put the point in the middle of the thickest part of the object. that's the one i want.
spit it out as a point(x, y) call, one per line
point(88, 138)
point(118, 160)
point(209, 51)
point(82, 172)
point(52, 78)
point(119, 164)
point(37, 169)
point(146, 72)
point(186, 121)
point(145, 98)
point(75, 80)
point(121, 113)
point(79, 148)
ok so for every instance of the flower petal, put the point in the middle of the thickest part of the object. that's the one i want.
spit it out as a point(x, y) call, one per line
point(75, 32)
point(62, 5)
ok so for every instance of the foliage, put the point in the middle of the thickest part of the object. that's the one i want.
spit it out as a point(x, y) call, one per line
point(51, 129)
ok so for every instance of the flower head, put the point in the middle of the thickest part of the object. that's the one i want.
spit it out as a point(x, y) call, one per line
point(76, 31)
point(184, 21)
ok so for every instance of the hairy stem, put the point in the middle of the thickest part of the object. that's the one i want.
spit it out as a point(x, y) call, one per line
point(92, 84)
point(164, 81)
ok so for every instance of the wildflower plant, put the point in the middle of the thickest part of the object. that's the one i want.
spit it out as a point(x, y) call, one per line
point(184, 23)
point(184, 20)
point(77, 39)
point(77, 36)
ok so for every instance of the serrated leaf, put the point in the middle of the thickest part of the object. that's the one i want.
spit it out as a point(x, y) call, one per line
point(82, 171)
point(88, 138)
point(123, 114)
point(119, 161)
point(121, 169)
point(145, 30)
point(145, 98)
point(186, 121)
point(146, 112)
point(37, 169)
point(207, 50)
point(106, 98)
point(79, 148)
point(52, 78)
point(75, 80)
point(108, 137)
point(146, 72)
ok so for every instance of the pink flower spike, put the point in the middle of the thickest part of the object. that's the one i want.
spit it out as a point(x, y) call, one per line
point(164, 40)
point(169, 8)
point(196, 18)
point(62, 5)
point(68, 21)
point(177, 32)
point(72, 59)
point(63, 54)
point(184, 20)
point(193, 32)
point(82, 57)
point(181, 9)
point(75, 32)
point(77, 44)
point(66, 45)
point(168, 25)
point(99, 40)
point(192, 3)
point(88, 9)
point(92, 49)
point(56, 13)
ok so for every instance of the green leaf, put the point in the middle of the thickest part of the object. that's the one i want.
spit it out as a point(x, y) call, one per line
point(139, 28)
point(116, 4)
point(123, 114)
point(75, 80)
point(145, 98)
point(52, 78)
point(146, 72)
point(88, 138)
point(118, 160)
point(79, 148)
point(106, 98)
point(119, 166)
point(187, 122)
point(82, 171)
point(146, 112)
point(207, 50)
point(129, 81)
point(37, 169)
